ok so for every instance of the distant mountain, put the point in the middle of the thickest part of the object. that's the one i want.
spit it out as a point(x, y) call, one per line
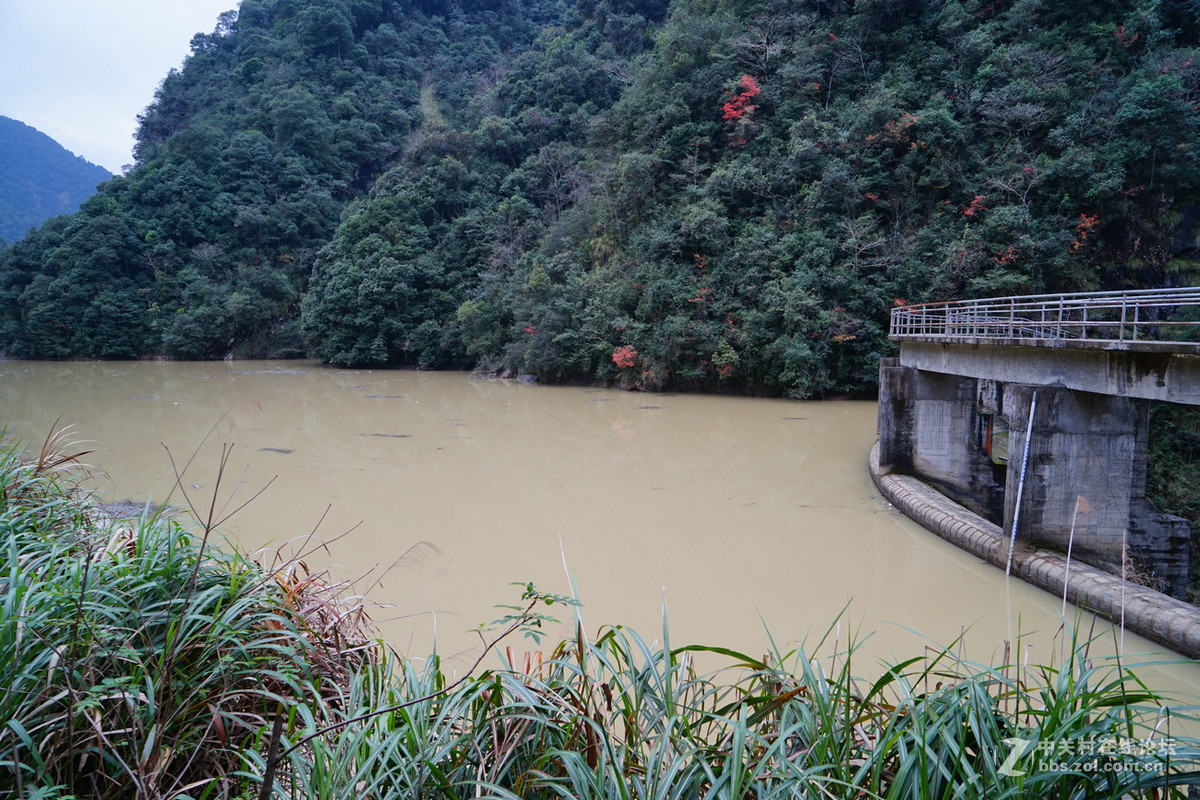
point(39, 179)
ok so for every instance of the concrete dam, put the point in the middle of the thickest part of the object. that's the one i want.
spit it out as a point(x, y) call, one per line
point(1032, 413)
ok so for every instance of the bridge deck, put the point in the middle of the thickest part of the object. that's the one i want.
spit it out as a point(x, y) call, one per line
point(1142, 344)
point(1151, 320)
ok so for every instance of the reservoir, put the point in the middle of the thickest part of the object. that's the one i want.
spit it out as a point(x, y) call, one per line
point(753, 521)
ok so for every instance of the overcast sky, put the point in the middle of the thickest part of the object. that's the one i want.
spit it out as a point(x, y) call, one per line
point(81, 71)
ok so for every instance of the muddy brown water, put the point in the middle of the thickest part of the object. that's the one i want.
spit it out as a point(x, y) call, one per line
point(749, 520)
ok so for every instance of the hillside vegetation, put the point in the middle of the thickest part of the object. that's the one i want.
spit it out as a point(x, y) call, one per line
point(39, 179)
point(693, 194)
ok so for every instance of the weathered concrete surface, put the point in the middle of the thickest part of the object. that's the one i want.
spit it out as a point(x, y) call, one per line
point(1169, 622)
point(1084, 488)
point(1147, 372)
point(929, 425)
point(1082, 475)
point(897, 407)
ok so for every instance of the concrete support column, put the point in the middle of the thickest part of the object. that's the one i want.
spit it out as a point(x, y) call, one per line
point(897, 395)
point(929, 425)
point(1085, 481)
point(1081, 459)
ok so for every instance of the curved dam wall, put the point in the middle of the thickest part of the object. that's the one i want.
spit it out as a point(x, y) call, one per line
point(1156, 616)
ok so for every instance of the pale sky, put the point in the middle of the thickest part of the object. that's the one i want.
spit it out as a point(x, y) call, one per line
point(80, 71)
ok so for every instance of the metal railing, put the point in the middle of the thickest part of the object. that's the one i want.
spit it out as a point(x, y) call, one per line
point(1150, 315)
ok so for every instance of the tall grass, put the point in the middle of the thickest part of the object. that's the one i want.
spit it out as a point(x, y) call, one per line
point(138, 659)
point(135, 661)
point(622, 718)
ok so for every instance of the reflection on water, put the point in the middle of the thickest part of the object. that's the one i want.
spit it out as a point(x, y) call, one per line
point(742, 515)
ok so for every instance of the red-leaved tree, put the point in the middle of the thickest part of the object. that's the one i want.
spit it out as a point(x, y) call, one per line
point(738, 110)
point(625, 357)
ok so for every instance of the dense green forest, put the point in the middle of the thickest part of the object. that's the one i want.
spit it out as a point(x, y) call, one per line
point(685, 194)
point(39, 179)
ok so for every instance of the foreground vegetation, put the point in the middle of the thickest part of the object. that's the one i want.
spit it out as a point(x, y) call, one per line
point(139, 659)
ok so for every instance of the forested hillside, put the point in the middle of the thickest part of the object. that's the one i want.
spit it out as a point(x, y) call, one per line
point(39, 179)
point(244, 163)
point(694, 194)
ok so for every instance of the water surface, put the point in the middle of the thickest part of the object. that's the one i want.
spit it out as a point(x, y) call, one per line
point(742, 515)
